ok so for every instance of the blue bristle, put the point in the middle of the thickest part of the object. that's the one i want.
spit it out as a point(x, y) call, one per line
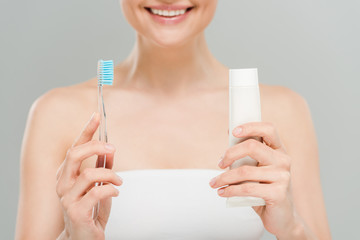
point(105, 72)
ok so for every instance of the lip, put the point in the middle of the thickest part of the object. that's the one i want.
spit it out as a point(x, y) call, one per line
point(169, 20)
point(169, 7)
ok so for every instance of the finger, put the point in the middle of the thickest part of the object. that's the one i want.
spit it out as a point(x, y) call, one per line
point(260, 129)
point(248, 189)
point(95, 195)
point(104, 211)
point(249, 173)
point(89, 130)
point(109, 161)
point(77, 154)
point(74, 158)
point(252, 148)
point(87, 180)
point(85, 136)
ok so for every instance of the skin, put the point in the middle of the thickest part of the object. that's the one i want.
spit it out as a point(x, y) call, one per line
point(157, 108)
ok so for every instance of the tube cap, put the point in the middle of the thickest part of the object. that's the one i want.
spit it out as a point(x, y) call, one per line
point(245, 77)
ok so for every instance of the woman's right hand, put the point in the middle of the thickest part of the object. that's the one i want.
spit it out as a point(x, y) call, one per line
point(77, 191)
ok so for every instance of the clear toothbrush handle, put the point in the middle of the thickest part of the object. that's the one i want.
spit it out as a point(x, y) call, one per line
point(101, 161)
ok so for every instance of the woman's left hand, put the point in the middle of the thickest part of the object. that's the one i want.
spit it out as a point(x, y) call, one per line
point(272, 173)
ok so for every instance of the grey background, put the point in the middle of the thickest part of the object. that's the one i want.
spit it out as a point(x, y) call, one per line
point(311, 46)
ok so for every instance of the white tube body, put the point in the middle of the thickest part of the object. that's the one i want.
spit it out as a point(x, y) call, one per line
point(244, 106)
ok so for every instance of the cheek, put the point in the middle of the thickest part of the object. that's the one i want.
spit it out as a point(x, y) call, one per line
point(130, 9)
point(206, 13)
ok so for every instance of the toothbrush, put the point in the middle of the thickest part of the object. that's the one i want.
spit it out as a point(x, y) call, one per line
point(105, 76)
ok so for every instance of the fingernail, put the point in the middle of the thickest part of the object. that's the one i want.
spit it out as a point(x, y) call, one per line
point(109, 147)
point(221, 163)
point(221, 191)
point(92, 116)
point(117, 192)
point(120, 178)
point(237, 131)
point(213, 181)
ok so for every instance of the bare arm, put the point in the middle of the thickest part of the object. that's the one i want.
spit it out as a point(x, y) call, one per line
point(56, 197)
point(298, 134)
point(39, 210)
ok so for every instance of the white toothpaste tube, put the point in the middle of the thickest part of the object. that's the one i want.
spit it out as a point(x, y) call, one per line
point(244, 106)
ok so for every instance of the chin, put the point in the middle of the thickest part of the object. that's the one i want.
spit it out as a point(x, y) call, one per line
point(170, 39)
point(169, 24)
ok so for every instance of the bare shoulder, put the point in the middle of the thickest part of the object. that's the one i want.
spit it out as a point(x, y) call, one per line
point(279, 102)
point(288, 111)
point(282, 98)
point(64, 98)
point(61, 110)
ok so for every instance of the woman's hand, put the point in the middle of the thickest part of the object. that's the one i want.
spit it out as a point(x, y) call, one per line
point(77, 192)
point(272, 173)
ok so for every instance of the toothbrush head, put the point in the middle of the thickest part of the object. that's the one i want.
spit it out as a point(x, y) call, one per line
point(105, 73)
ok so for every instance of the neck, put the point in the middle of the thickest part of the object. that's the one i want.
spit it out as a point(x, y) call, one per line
point(173, 70)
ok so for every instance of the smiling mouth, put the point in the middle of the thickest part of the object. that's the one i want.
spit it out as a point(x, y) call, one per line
point(167, 12)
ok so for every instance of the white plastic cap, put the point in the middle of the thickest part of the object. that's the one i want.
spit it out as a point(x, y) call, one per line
point(243, 77)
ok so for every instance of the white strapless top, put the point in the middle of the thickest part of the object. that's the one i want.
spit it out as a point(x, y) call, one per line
point(177, 204)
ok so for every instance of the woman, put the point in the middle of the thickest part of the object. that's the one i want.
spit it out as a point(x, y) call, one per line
point(160, 119)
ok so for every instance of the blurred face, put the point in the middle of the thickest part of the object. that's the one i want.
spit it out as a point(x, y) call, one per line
point(169, 23)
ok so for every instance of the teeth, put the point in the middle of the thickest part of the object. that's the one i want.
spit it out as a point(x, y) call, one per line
point(168, 13)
